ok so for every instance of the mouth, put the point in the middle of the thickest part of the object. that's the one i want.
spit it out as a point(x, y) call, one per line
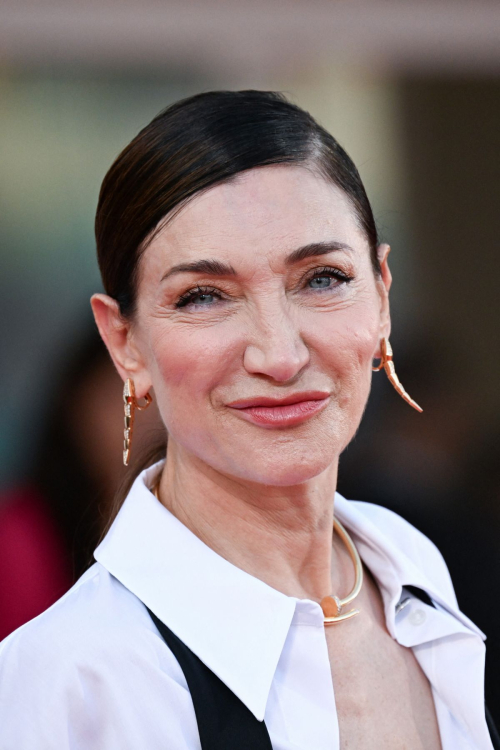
point(285, 412)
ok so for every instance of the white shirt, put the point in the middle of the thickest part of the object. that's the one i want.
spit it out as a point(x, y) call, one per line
point(93, 673)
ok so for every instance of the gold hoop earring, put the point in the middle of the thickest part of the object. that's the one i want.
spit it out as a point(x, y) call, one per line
point(130, 404)
point(386, 363)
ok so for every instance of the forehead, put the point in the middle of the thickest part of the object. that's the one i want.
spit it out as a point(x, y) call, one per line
point(262, 212)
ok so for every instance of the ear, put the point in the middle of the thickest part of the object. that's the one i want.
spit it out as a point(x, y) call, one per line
point(384, 284)
point(116, 332)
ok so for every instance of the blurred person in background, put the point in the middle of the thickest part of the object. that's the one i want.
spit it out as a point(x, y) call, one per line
point(238, 600)
point(51, 523)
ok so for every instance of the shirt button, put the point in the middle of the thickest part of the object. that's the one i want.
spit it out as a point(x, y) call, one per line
point(417, 617)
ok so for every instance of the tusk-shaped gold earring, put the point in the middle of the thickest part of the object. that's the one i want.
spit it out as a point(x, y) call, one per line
point(386, 363)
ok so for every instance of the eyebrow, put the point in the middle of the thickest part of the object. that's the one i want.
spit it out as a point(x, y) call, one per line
point(212, 267)
point(314, 249)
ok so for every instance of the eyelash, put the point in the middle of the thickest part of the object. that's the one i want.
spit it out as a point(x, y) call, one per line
point(186, 298)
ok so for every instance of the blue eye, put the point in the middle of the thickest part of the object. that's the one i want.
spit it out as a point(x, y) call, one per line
point(203, 297)
point(328, 278)
point(320, 282)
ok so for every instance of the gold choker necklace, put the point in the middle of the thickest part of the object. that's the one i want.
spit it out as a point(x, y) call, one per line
point(332, 606)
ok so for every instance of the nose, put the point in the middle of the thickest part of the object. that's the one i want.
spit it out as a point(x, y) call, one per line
point(277, 349)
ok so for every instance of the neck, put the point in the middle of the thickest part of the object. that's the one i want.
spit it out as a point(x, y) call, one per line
point(281, 535)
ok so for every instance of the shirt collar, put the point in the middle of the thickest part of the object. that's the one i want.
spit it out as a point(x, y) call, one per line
point(384, 551)
point(235, 623)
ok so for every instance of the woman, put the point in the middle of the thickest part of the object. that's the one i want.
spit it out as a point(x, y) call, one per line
point(246, 289)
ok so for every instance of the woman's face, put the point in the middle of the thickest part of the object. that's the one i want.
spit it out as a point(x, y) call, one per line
point(261, 288)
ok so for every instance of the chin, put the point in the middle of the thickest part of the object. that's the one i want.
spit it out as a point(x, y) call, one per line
point(285, 472)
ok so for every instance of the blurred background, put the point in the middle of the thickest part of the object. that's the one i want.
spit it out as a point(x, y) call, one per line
point(412, 91)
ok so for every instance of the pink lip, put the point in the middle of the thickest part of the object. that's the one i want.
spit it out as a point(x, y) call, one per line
point(284, 412)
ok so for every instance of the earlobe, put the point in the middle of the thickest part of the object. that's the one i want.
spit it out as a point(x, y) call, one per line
point(115, 332)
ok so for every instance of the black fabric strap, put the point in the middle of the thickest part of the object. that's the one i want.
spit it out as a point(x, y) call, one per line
point(426, 599)
point(224, 722)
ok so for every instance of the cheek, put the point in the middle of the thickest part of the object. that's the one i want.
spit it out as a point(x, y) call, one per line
point(348, 340)
point(345, 352)
point(190, 365)
point(188, 361)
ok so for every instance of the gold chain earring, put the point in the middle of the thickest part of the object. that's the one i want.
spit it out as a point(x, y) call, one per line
point(386, 362)
point(130, 404)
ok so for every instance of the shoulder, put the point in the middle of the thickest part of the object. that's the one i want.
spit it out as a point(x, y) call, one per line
point(407, 543)
point(82, 656)
point(98, 612)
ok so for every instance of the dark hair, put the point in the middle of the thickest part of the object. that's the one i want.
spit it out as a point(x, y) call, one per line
point(195, 144)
